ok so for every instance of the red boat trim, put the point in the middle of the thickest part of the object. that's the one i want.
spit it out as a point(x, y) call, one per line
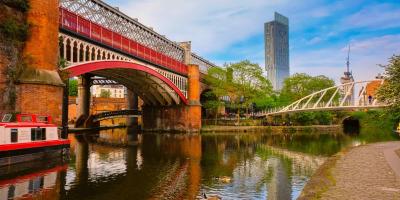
point(31, 145)
point(22, 178)
point(26, 125)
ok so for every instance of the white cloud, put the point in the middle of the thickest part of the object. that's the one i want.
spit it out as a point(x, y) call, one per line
point(314, 40)
point(365, 57)
point(211, 25)
point(214, 26)
point(375, 17)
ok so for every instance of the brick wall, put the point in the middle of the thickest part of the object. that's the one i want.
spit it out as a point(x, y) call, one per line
point(40, 99)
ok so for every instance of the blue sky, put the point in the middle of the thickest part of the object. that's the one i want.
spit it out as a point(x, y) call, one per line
point(232, 30)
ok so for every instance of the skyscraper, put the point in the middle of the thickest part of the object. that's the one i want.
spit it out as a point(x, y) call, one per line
point(276, 35)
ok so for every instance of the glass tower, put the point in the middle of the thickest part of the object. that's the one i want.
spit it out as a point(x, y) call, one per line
point(276, 34)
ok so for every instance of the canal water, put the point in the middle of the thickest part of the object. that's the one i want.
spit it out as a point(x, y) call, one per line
point(117, 164)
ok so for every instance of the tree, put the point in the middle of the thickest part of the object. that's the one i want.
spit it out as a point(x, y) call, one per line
point(105, 93)
point(250, 84)
point(243, 83)
point(300, 85)
point(389, 93)
point(73, 87)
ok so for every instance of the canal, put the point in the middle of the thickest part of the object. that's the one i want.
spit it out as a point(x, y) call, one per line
point(114, 164)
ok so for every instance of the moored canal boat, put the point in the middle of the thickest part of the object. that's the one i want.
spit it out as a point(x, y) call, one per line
point(30, 137)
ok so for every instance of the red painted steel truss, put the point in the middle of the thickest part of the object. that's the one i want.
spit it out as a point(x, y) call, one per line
point(79, 25)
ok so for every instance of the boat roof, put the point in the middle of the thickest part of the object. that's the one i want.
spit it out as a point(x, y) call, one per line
point(27, 120)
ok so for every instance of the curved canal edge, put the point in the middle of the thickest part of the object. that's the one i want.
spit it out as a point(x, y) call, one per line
point(369, 171)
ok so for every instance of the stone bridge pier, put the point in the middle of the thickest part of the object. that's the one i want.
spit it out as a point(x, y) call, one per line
point(181, 118)
point(39, 86)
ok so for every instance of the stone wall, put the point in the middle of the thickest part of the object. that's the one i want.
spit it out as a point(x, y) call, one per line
point(10, 53)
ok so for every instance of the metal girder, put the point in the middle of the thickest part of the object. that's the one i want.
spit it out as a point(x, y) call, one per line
point(203, 64)
point(103, 81)
point(147, 86)
point(359, 102)
point(109, 17)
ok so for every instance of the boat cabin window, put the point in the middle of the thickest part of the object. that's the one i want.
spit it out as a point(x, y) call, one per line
point(38, 134)
point(43, 119)
point(26, 118)
point(14, 135)
point(36, 184)
point(11, 192)
point(7, 118)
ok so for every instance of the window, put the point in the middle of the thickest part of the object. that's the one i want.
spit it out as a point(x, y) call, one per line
point(36, 184)
point(11, 192)
point(38, 134)
point(14, 135)
point(26, 118)
point(7, 118)
point(42, 119)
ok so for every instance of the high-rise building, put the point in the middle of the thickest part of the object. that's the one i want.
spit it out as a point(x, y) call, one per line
point(276, 35)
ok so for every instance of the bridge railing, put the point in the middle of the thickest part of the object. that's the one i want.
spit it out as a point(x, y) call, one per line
point(107, 115)
point(83, 27)
point(334, 98)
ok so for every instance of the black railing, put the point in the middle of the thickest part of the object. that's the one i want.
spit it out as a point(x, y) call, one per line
point(111, 114)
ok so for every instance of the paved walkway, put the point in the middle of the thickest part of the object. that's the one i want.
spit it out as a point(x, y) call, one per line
point(367, 172)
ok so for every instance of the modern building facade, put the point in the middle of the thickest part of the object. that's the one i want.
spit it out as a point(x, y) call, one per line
point(276, 35)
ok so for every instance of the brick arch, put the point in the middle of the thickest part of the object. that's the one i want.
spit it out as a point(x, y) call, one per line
point(90, 67)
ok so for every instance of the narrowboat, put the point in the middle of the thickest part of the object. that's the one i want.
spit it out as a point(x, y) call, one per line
point(30, 137)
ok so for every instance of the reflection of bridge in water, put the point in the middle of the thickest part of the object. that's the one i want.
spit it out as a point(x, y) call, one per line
point(176, 177)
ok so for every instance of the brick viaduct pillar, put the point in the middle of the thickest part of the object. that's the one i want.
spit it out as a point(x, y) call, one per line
point(40, 87)
point(83, 96)
point(133, 104)
point(181, 118)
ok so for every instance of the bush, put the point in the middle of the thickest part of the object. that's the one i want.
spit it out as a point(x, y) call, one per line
point(13, 30)
point(21, 5)
point(324, 118)
point(304, 118)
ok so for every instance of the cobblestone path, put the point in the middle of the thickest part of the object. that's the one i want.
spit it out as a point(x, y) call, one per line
point(367, 172)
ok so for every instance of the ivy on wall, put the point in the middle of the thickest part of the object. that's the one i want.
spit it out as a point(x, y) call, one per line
point(14, 31)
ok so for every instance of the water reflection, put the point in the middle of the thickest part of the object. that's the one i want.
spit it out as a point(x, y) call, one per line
point(118, 164)
point(45, 183)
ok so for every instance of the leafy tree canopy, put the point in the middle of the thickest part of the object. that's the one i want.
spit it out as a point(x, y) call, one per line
point(390, 91)
point(105, 93)
point(242, 82)
point(300, 85)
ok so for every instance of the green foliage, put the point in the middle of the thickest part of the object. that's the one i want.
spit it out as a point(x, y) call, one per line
point(242, 82)
point(13, 30)
point(298, 86)
point(105, 93)
point(311, 118)
point(376, 125)
point(324, 118)
point(21, 5)
point(73, 87)
point(250, 83)
point(304, 118)
point(390, 91)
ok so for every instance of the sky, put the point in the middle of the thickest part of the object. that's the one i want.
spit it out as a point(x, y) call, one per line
point(225, 31)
